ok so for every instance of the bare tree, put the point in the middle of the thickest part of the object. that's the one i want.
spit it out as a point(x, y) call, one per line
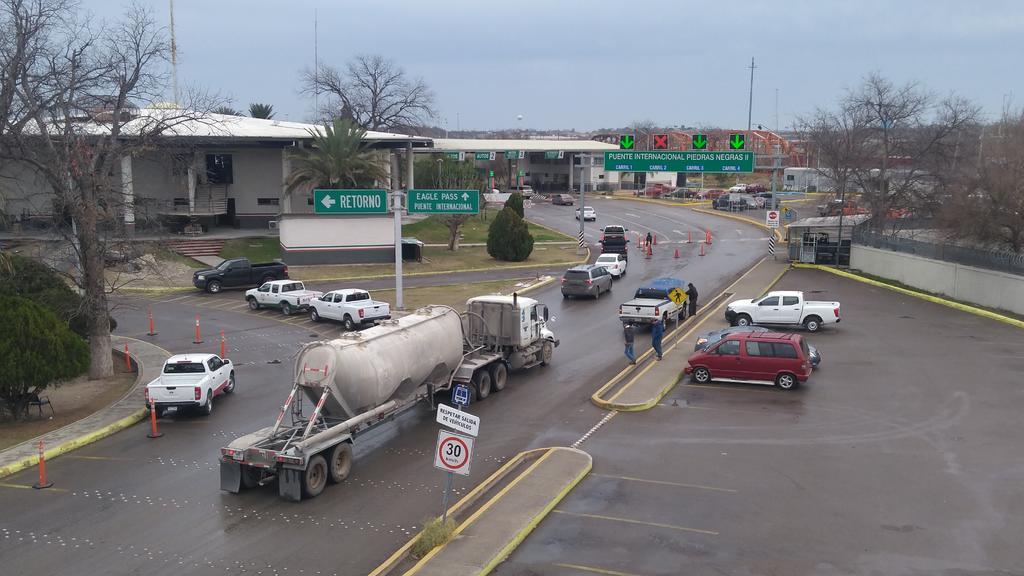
point(373, 91)
point(68, 114)
point(447, 174)
point(837, 141)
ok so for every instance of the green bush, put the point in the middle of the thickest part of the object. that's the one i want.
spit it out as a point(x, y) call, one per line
point(37, 282)
point(434, 534)
point(36, 350)
point(515, 202)
point(509, 237)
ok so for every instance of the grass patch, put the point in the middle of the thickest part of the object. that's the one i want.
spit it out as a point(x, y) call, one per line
point(454, 295)
point(434, 534)
point(432, 230)
point(257, 249)
point(437, 259)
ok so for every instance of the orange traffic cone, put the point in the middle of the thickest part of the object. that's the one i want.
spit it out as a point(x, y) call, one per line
point(677, 253)
point(701, 249)
point(43, 482)
point(689, 237)
point(655, 238)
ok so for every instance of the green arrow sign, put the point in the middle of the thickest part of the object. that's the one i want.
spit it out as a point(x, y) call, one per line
point(699, 142)
point(737, 141)
point(725, 162)
point(444, 201)
point(350, 201)
point(626, 142)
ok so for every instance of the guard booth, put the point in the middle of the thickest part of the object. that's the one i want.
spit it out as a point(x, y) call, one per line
point(820, 240)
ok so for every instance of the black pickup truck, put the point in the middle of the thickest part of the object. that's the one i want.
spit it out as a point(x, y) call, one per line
point(614, 240)
point(238, 272)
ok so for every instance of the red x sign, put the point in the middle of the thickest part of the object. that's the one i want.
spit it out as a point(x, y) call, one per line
point(660, 141)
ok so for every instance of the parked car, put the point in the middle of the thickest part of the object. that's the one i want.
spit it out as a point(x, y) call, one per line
point(713, 193)
point(238, 272)
point(588, 213)
point(782, 308)
point(288, 295)
point(652, 301)
point(352, 307)
point(709, 339)
point(738, 189)
point(586, 280)
point(191, 381)
point(526, 191)
point(562, 200)
point(754, 358)
point(614, 263)
point(754, 188)
point(733, 203)
point(614, 240)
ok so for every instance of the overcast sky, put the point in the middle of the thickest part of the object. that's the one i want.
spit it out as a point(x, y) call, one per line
point(604, 63)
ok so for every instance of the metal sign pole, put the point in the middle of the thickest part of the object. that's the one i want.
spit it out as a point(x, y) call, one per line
point(397, 207)
point(448, 486)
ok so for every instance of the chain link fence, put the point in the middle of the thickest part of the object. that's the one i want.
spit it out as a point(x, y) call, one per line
point(989, 259)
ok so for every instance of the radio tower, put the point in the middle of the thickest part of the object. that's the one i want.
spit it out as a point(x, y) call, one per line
point(174, 58)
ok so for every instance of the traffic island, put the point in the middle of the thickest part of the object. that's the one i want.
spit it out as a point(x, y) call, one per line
point(498, 514)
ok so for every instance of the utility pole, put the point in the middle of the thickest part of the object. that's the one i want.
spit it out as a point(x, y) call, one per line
point(750, 104)
point(174, 57)
point(316, 64)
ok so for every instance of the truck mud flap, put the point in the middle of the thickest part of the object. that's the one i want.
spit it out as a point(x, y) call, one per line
point(231, 477)
point(289, 484)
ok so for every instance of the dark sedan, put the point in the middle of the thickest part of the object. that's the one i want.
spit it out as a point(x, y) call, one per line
point(711, 337)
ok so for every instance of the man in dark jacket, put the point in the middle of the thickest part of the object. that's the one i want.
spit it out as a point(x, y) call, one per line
point(691, 298)
point(657, 331)
point(627, 335)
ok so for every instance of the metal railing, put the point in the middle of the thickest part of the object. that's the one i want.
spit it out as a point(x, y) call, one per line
point(1001, 261)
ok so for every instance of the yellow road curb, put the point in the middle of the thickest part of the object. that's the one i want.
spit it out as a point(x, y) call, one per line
point(921, 295)
point(778, 235)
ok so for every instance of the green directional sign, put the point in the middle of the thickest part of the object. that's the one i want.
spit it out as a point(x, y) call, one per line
point(514, 154)
point(626, 142)
point(350, 201)
point(699, 142)
point(737, 141)
point(444, 201)
point(484, 156)
point(657, 161)
point(460, 156)
point(553, 154)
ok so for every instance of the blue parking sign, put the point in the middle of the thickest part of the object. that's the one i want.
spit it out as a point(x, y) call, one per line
point(460, 395)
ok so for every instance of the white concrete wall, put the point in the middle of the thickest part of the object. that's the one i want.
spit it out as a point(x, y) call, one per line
point(966, 283)
point(301, 232)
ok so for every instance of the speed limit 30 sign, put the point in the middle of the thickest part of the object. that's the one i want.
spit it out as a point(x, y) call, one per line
point(453, 452)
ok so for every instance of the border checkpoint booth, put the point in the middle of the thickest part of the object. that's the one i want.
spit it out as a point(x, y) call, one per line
point(817, 240)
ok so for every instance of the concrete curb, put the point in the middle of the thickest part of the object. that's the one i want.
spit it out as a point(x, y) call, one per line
point(95, 434)
point(921, 295)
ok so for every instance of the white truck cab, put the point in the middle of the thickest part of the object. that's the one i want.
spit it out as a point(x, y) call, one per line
point(782, 308)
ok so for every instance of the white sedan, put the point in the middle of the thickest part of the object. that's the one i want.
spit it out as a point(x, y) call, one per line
point(615, 264)
point(588, 213)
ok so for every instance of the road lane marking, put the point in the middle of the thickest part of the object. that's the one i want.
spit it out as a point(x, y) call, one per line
point(29, 487)
point(666, 483)
point(177, 299)
point(103, 458)
point(639, 522)
point(590, 432)
point(596, 570)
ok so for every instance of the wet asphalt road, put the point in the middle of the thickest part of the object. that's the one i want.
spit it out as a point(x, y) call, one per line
point(130, 505)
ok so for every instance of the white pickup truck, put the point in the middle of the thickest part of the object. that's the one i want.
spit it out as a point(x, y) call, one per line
point(288, 295)
point(352, 307)
point(661, 298)
point(191, 381)
point(784, 308)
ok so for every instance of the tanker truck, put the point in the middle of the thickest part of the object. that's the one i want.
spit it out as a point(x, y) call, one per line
point(363, 379)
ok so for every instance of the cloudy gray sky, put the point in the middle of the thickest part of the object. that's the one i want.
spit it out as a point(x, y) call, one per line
point(605, 63)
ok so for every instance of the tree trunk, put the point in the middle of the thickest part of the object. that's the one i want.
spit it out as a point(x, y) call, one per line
point(453, 237)
point(94, 297)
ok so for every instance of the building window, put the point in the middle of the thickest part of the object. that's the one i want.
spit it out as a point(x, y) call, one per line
point(268, 201)
point(218, 169)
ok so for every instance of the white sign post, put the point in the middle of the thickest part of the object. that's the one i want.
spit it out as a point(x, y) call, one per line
point(458, 420)
point(771, 219)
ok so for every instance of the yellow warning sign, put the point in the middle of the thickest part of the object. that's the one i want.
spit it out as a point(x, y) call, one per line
point(676, 295)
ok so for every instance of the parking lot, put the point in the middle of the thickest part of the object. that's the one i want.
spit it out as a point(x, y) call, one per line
point(901, 455)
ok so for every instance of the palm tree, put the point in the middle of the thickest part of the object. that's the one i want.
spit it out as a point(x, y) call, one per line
point(265, 111)
point(227, 111)
point(337, 157)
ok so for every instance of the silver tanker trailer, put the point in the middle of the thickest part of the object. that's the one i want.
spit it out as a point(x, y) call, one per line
point(363, 379)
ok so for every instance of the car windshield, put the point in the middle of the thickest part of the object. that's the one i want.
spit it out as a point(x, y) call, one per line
point(618, 230)
point(606, 260)
point(185, 367)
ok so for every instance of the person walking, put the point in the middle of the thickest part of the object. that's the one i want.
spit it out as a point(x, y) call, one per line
point(657, 331)
point(627, 335)
point(649, 239)
point(691, 298)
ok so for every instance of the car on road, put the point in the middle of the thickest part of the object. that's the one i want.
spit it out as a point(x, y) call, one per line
point(753, 358)
point(783, 308)
point(526, 191)
point(614, 263)
point(190, 381)
point(586, 280)
point(588, 213)
point(661, 298)
point(614, 240)
point(562, 200)
point(238, 273)
point(288, 295)
point(709, 339)
point(352, 307)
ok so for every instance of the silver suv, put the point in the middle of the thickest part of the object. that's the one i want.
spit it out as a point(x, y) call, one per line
point(586, 280)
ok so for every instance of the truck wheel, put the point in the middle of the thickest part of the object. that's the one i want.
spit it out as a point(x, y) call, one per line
point(286, 308)
point(213, 286)
point(701, 375)
point(207, 408)
point(545, 353)
point(314, 478)
point(349, 324)
point(499, 376)
point(253, 303)
point(785, 381)
point(482, 383)
point(812, 323)
point(314, 315)
point(743, 320)
point(340, 462)
point(250, 476)
point(231, 384)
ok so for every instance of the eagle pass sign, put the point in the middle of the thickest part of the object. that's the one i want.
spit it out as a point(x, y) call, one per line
point(453, 452)
point(444, 201)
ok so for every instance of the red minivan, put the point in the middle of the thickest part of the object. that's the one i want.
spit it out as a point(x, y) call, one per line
point(754, 357)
